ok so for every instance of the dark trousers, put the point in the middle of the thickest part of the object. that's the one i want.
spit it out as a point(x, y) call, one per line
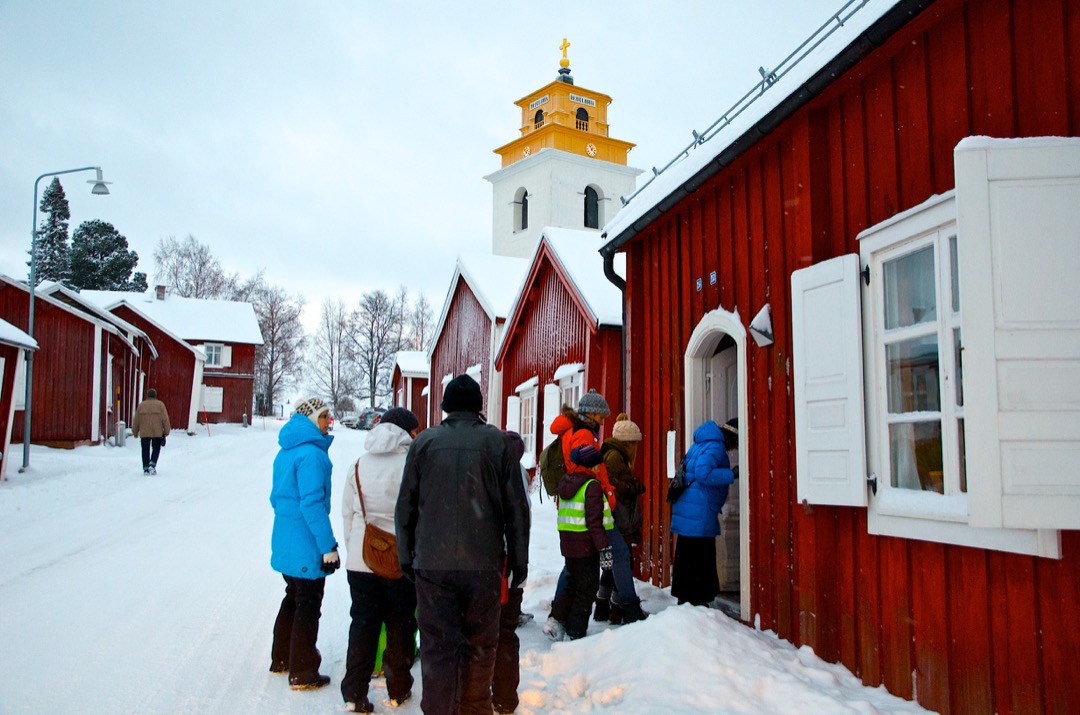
point(296, 629)
point(504, 685)
point(376, 601)
point(693, 570)
point(458, 613)
point(573, 604)
point(151, 448)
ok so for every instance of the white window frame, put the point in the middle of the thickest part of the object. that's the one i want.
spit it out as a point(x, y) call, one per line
point(571, 380)
point(527, 393)
point(215, 354)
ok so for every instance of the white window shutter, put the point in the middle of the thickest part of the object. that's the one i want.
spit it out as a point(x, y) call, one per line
point(513, 413)
point(226, 355)
point(552, 406)
point(830, 439)
point(1018, 213)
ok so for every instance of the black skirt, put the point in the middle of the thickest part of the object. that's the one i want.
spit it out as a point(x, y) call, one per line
point(693, 573)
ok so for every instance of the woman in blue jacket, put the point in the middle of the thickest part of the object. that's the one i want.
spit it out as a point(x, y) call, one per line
point(694, 517)
point(303, 548)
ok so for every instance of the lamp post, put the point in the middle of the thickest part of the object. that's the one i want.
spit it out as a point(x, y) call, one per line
point(101, 188)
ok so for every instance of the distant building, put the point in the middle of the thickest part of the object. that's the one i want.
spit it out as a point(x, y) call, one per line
point(410, 383)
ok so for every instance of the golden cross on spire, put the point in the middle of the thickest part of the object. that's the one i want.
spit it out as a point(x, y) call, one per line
point(564, 62)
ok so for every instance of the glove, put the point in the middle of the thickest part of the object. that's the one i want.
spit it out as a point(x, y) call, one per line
point(162, 441)
point(518, 576)
point(735, 469)
point(605, 558)
point(330, 562)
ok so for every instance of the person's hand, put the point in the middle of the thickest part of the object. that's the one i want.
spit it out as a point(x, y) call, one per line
point(606, 558)
point(162, 441)
point(736, 471)
point(518, 576)
point(330, 562)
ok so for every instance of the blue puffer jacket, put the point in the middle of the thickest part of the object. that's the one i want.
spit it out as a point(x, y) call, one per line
point(301, 500)
point(707, 476)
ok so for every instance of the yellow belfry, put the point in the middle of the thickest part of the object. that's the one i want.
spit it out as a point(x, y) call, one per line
point(565, 117)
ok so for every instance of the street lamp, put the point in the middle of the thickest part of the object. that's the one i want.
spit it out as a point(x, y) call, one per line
point(101, 188)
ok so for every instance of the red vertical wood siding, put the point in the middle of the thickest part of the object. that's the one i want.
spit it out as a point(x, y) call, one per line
point(962, 629)
point(465, 341)
point(171, 374)
point(237, 382)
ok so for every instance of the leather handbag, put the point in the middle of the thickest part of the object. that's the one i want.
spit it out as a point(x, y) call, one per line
point(380, 546)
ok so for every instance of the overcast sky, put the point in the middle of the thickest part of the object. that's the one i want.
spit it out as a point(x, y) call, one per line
point(341, 146)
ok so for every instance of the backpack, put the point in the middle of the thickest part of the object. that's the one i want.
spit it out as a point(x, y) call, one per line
point(552, 466)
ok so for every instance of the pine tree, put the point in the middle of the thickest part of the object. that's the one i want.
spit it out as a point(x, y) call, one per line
point(52, 251)
point(100, 259)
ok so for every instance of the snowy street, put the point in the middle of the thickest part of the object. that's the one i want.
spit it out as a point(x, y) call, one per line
point(122, 593)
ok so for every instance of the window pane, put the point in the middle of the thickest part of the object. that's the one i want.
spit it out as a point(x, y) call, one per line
point(963, 456)
point(910, 289)
point(958, 357)
point(955, 271)
point(915, 456)
point(912, 369)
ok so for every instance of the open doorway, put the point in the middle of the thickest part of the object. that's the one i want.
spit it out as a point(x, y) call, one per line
point(716, 390)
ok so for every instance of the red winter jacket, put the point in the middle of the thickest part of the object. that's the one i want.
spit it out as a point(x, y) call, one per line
point(581, 450)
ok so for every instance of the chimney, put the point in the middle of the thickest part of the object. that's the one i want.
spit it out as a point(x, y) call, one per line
point(160, 291)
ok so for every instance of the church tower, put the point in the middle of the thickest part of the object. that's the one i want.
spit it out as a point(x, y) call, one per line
point(564, 170)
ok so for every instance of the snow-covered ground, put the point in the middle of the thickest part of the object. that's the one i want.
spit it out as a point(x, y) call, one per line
point(121, 593)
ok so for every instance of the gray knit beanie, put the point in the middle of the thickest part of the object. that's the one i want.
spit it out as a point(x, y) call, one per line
point(593, 403)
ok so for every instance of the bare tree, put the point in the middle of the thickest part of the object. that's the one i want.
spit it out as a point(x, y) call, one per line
point(375, 344)
point(421, 324)
point(279, 360)
point(333, 369)
point(188, 268)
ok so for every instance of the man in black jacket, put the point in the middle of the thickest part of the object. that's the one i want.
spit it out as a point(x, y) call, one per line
point(461, 508)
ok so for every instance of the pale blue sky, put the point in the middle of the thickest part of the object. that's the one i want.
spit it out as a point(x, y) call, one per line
point(341, 146)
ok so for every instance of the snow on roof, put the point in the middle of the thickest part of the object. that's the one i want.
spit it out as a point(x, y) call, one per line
point(10, 335)
point(52, 288)
point(103, 323)
point(789, 80)
point(412, 361)
point(193, 319)
point(495, 280)
point(578, 252)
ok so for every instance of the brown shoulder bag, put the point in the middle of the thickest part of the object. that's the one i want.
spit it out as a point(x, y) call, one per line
point(380, 547)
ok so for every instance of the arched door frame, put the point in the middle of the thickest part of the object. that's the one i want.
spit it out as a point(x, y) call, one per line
point(712, 327)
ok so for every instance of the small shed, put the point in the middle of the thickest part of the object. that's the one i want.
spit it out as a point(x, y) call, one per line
point(14, 344)
point(563, 336)
point(469, 329)
point(410, 383)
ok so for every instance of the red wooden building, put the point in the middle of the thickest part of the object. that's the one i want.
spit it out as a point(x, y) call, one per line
point(563, 337)
point(914, 526)
point(410, 383)
point(470, 326)
point(14, 344)
point(224, 333)
point(76, 368)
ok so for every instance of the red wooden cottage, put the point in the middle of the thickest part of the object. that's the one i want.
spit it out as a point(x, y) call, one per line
point(470, 327)
point(225, 333)
point(410, 383)
point(14, 344)
point(910, 421)
point(129, 368)
point(563, 336)
point(76, 368)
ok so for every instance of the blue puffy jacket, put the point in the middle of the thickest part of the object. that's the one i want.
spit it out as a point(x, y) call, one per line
point(707, 477)
point(301, 500)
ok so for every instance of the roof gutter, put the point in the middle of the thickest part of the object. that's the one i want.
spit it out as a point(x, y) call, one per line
point(874, 36)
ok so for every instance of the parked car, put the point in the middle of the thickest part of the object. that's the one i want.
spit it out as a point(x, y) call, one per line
point(350, 420)
point(369, 417)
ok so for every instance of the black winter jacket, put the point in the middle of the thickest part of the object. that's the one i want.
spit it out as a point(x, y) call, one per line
point(462, 503)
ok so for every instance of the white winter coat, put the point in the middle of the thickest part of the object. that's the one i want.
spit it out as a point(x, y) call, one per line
point(380, 469)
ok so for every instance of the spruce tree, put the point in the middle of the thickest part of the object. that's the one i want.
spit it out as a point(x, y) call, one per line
point(52, 250)
point(100, 259)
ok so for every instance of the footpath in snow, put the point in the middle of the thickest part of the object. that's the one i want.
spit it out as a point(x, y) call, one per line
point(121, 593)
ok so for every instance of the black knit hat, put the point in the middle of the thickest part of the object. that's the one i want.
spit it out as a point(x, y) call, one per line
point(517, 444)
point(401, 417)
point(593, 403)
point(462, 394)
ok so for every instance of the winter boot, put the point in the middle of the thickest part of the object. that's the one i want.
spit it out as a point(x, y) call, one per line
point(632, 612)
point(363, 705)
point(616, 616)
point(602, 610)
point(153, 468)
point(554, 630)
point(311, 681)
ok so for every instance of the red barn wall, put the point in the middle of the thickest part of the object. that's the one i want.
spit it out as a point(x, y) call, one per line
point(171, 374)
point(553, 331)
point(966, 630)
point(465, 341)
point(238, 385)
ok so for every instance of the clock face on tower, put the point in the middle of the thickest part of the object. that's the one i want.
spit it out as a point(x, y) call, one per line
point(526, 151)
point(590, 149)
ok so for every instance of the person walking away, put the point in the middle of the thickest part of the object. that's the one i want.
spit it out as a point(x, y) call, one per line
point(150, 426)
point(462, 507)
point(504, 684)
point(377, 600)
point(694, 517)
point(302, 545)
point(617, 598)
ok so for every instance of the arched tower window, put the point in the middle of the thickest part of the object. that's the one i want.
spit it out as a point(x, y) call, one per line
point(592, 208)
point(521, 209)
point(538, 120)
point(582, 119)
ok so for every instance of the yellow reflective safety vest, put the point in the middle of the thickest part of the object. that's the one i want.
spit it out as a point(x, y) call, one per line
point(572, 511)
